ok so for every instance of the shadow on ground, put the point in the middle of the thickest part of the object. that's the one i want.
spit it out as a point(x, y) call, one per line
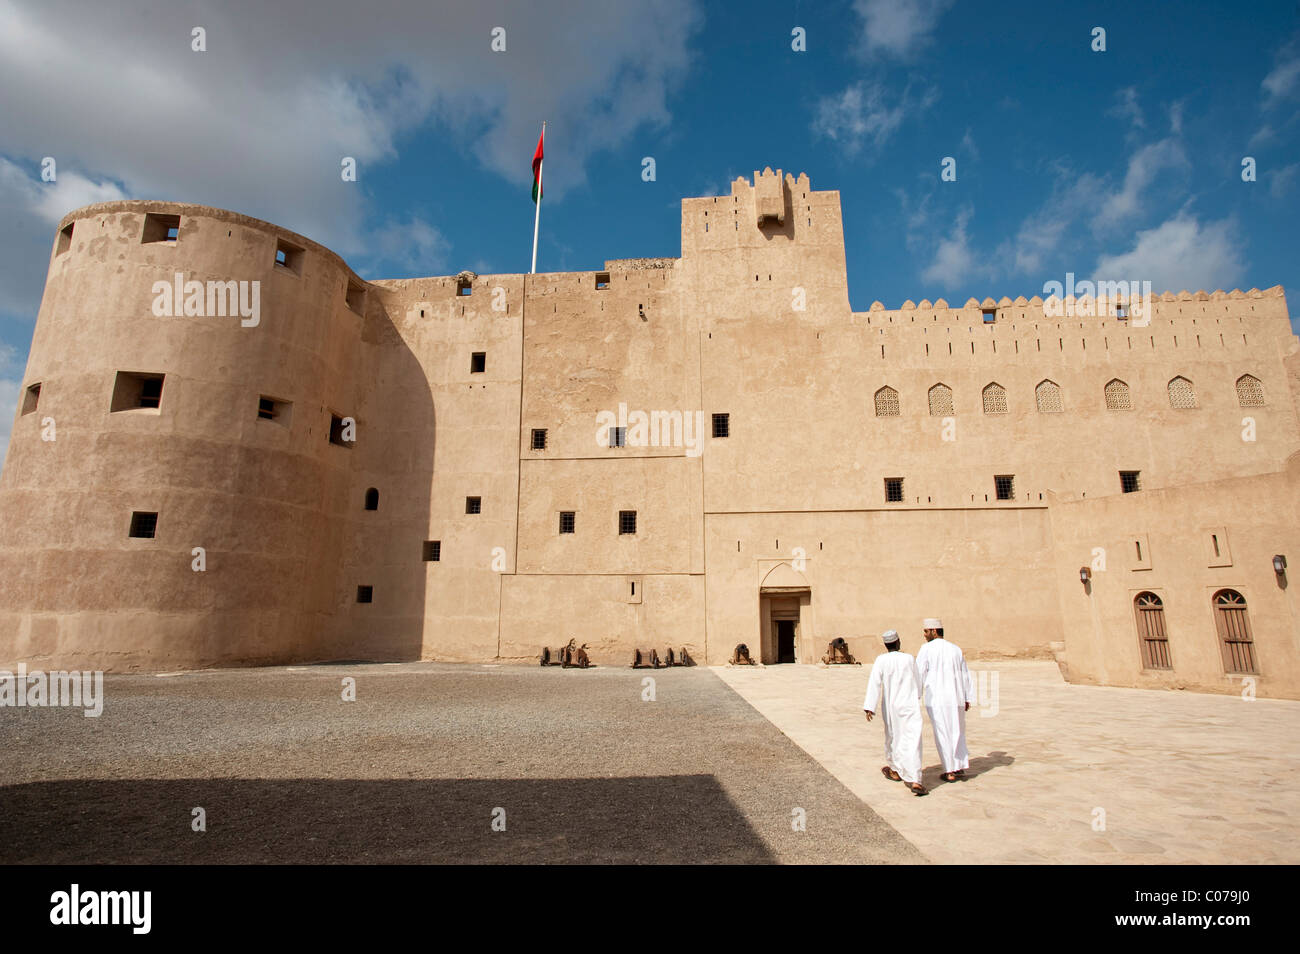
point(932, 775)
point(656, 819)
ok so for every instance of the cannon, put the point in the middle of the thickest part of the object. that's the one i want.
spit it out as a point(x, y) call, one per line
point(741, 656)
point(571, 656)
point(645, 659)
point(679, 658)
point(837, 653)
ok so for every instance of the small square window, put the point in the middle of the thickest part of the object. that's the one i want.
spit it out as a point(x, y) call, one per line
point(473, 504)
point(478, 362)
point(342, 431)
point(144, 523)
point(65, 239)
point(1121, 311)
point(618, 437)
point(1129, 482)
point(273, 409)
point(566, 521)
point(160, 228)
point(627, 521)
point(990, 315)
point(1006, 486)
point(133, 389)
point(722, 425)
point(539, 438)
point(151, 392)
point(602, 280)
point(464, 287)
point(288, 256)
point(365, 594)
point(893, 489)
point(31, 397)
point(432, 551)
point(355, 296)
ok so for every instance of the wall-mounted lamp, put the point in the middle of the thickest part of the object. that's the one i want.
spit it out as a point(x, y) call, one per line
point(1279, 564)
point(1085, 575)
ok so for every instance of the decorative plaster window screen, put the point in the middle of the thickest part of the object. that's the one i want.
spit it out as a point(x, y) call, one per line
point(887, 402)
point(940, 400)
point(1117, 396)
point(1181, 393)
point(1250, 393)
point(1048, 396)
point(995, 399)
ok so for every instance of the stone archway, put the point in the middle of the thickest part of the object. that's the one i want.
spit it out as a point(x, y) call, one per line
point(785, 616)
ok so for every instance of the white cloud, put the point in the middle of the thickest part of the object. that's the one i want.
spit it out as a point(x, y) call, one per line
point(1182, 253)
point(1262, 137)
point(1127, 107)
point(1144, 167)
point(866, 112)
point(898, 28)
point(1281, 181)
point(1085, 204)
point(953, 261)
point(1283, 78)
point(260, 122)
point(30, 209)
point(414, 245)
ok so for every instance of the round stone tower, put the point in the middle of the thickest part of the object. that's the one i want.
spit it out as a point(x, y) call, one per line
point(176, 488)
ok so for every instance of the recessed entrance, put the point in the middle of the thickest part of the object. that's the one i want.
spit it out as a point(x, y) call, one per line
point(784, 639)
point(785, 616)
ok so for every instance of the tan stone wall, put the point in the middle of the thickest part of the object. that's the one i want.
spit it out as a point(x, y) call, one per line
point(465, 443)
point(1253, 519)
point(752, 321)
point(988, 573)
point(265, 501)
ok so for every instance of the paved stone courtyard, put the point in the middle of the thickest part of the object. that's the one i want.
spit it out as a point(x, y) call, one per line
point(587, 770)
point(584, 768)
point(1181, 777)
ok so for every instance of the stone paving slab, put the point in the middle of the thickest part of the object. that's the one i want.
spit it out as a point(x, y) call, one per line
point(586, 768)
point(1181, 777)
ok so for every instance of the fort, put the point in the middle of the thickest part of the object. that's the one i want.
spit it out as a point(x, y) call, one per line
point(1075, 488)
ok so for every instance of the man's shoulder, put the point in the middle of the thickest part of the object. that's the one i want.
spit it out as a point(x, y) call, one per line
point(900, 659)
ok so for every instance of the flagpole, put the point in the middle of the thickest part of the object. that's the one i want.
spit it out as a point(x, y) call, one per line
point(537, 216)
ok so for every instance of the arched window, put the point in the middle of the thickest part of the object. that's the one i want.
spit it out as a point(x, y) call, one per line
point(995, 399)
point(372, 499)
point(1233, 625)
point(1250, 393)
point(940, 400)
point(1117, 396)
point(1048, 397)
point(1181, 393)
point(886, 402)
point(1152, 636)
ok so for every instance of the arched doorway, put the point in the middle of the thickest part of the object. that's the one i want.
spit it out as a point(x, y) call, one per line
point(1233, 625)
point(1152, 635)
point(785, 624)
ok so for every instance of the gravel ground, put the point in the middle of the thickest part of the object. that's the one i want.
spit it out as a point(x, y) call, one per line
point(411, 772)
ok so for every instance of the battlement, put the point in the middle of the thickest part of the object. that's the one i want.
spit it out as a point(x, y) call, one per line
point(1120, 307)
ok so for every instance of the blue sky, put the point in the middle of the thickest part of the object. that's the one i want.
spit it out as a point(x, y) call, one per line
point(1125, 163)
